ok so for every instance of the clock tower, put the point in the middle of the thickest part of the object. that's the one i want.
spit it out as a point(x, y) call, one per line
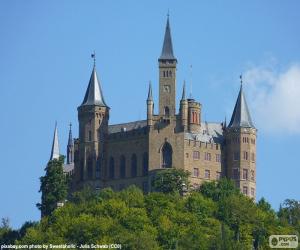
point(167, 77)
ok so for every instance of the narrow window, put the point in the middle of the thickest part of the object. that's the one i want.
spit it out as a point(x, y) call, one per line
point(207, 174)
point(245, 190)
point(196, 155)
point(245, 174)
point(122, 166)
point(245, 155)
point(218, 158)
point(196, 172)
point(145, 163)
point(133, 165)
point(252, 175)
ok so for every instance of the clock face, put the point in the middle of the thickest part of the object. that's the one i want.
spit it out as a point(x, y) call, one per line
point(167, 88)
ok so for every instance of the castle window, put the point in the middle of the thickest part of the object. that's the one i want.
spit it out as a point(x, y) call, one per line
point(245, 174)
point(252, 157)
point(236, 156)
point(245, 153)
point(218, 175)
point(145, 163)
point(90, 135)
point(111, 169)
point(167, 111)
point(133, 166)
point(252, 191)
point(245, 190)
point(196, 155)
point(207, 156)
point(167, 155)
point(252, 175)
point(207, 174)
point(122, 166)
point(218, 158)
point(164, 73)
point(196, 172)
point(90, 168)
point(235, 173)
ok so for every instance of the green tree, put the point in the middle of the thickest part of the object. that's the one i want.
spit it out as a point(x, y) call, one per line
point(171, 181)
point(54, 186)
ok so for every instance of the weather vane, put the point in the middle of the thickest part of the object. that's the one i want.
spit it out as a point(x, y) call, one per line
point(93, 55)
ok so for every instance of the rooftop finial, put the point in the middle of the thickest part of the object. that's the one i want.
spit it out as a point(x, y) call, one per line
point(183, 91)
point(168, 14)
point(93, 55)
point(241, 79)
point(150, 98)
point(191, 71)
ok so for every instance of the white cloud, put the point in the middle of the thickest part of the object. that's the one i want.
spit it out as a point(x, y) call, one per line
point(274, 98)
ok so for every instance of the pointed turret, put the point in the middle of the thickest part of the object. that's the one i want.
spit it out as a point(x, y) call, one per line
point(94, 94)
point(55, 145)
point(150, 98)
point(241, 115)
point(183, 97)
point(167, 50)
point(70, 147)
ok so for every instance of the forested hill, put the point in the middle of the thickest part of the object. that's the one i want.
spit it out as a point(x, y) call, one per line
point(215, 217)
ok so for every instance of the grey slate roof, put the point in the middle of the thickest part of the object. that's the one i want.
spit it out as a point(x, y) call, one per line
point(167, 50)
point(210, 132)
point(241, 115)
point(55, 145)
point(116, 128)
point(93, 94)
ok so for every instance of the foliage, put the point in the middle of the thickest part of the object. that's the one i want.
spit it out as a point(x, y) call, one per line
point(54, 186)
point(171, 181)
point(220, 219)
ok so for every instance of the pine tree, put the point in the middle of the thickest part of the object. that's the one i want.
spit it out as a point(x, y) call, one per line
point(54, 186)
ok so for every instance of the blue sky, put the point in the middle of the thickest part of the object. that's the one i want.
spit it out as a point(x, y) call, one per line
point(45, 66)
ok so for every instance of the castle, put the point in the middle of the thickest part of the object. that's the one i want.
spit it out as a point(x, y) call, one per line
point(120, 155)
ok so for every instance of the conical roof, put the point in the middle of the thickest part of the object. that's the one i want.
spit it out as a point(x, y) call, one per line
point(150, 98)
point(94, 94)
point(241, 115)
point(55, 145)
point(167, 50)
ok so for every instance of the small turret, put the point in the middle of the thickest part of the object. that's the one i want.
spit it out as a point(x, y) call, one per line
point(194, 116)
point(150, 106)
point(55, 145)
point(184, 109)
point(70, 147)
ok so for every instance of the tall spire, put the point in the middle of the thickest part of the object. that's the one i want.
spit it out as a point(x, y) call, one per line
point(70, 147)
point(93, 94)
point(241, 115)
point(55, 145)
point(183, 92)
point(150, 98)
point(167, 50)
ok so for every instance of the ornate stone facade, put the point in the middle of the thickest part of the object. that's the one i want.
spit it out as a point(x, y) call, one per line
point(123, 154)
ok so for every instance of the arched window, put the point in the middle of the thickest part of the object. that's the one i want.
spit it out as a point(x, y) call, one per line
point(111, 170)
point(122, 166)
point(145, 163)
point(90, 168)
point(167, 155)
point(167, 111)
point(133, 166)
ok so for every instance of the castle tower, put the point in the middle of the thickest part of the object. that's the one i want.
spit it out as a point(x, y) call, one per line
point(184, 110)
point(150, 106)
point(240, 136)
point(194, 116)
point(55, 145)
point(70, 147)
point(93, 116)
point(167, 77)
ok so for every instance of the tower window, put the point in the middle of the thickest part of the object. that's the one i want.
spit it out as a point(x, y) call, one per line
point(167, 111)
point(245, 174)
point(207, 156)
point(245, 153)
point(245, 190)
point(252, 175)
point(167, 155)
point(236, 156)
point(218, 158)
